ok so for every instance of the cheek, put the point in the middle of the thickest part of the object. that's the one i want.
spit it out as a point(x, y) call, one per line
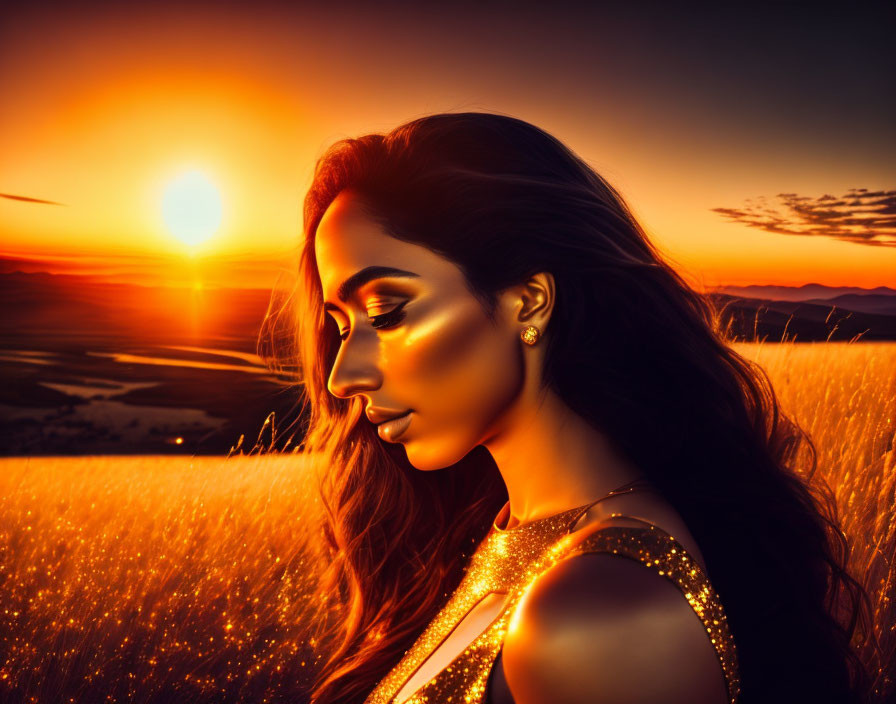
point(457, 370)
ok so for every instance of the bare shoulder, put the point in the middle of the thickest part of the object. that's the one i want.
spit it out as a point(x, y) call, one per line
point(603, 628)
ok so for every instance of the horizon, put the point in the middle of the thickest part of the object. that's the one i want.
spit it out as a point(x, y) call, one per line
point(234, 272)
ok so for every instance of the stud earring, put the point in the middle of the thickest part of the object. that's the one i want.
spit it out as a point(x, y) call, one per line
point(530, 334)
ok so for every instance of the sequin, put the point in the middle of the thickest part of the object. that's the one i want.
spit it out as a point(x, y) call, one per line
point(509, 561)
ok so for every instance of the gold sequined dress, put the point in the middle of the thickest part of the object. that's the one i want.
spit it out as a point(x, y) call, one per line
point(507, 561)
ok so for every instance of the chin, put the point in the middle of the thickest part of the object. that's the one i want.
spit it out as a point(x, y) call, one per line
point(428, 459)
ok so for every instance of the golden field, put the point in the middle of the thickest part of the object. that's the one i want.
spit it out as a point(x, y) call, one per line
point(844, 395)
point(159, 579)
point(153, 579)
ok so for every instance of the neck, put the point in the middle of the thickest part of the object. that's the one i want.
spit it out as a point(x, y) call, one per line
point(552, 460)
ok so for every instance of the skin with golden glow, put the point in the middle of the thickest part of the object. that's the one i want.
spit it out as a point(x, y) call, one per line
point(445, 361)
point(417, 340)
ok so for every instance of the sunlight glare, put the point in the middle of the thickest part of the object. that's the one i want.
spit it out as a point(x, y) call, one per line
point(191, 207)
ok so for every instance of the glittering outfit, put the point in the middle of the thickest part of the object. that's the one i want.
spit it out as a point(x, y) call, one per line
point(508, 561)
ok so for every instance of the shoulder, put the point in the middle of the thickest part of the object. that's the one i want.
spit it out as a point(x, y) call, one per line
point(602, 628)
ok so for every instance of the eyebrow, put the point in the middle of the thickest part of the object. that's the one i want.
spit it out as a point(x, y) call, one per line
point(348, 287)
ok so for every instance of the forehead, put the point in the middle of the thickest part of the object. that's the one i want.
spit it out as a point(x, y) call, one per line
point(348, 240)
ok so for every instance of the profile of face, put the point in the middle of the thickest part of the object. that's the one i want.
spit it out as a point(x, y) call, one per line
point(415, 342)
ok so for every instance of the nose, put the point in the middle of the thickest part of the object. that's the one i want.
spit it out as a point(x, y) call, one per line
point(354, 369)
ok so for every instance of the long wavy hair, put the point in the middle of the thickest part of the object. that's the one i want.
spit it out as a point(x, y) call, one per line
point(630, 347)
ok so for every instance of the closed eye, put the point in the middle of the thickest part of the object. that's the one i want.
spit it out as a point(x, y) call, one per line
point(383, 321)
point(390, 319)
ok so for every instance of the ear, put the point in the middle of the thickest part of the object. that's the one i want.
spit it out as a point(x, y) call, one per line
point(531, 302)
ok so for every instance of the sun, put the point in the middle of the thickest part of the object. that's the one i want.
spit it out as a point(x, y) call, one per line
point(191, 207)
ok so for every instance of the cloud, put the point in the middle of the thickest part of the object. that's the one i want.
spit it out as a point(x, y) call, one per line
point(29, 200)
point(860, 216)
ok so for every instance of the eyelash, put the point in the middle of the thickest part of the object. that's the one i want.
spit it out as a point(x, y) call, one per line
point(383, 321)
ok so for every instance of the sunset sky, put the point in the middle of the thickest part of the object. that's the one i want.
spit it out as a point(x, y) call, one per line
point(702, 118)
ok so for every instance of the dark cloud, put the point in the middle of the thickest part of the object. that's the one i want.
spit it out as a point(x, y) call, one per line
point(859, 215)
point(29, 200)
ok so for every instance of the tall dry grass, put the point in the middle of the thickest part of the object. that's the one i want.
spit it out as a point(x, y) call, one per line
point(154, 579)
point(844, 395)
point(148, 579)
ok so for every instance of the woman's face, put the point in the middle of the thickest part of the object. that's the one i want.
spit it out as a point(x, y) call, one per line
point(416, 343)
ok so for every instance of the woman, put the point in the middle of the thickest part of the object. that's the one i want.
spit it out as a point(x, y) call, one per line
point(506, 386)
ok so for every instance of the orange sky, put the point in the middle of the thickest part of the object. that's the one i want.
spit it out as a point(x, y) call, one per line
point(105, 105)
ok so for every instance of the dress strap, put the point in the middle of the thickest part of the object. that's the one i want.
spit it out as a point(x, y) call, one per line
point(635, 518)
point(632, 486)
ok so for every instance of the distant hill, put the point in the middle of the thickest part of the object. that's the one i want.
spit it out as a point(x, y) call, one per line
point(882, 304)
point(808, 292)
point(754, 318)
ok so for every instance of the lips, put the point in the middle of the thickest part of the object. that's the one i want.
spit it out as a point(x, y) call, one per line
point(381, 415)
point(390, 430)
